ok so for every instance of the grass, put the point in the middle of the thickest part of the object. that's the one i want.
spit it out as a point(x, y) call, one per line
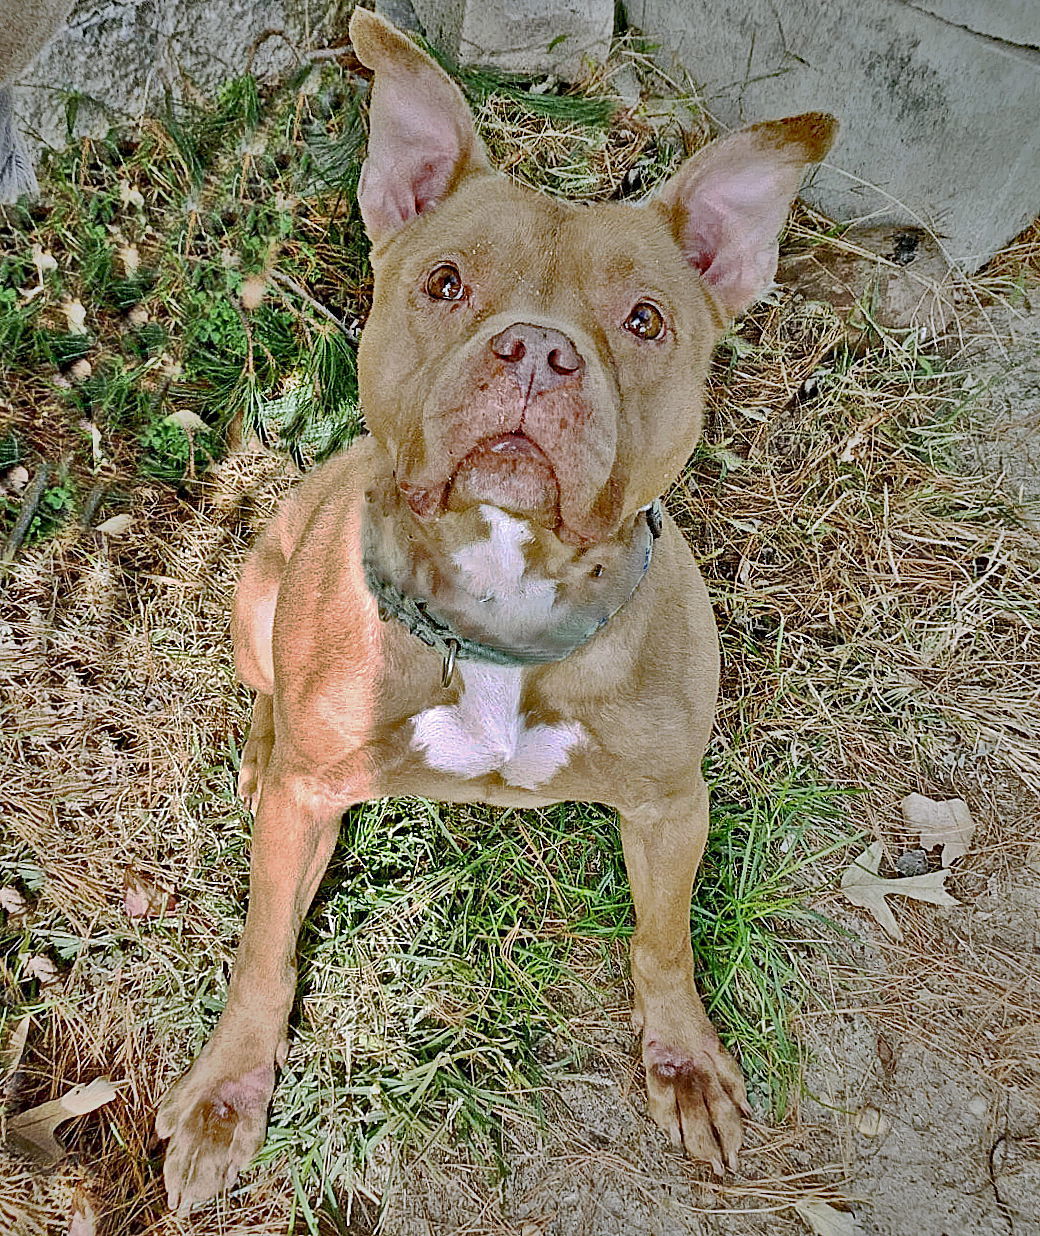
point(877, 609)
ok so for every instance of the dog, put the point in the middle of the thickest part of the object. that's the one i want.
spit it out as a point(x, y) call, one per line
point(483, 600)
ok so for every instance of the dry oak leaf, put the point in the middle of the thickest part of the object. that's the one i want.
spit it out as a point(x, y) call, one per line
point(14, 1047)
point(862, 885)
point(947, 823)
point(116, 525)
point(43, 970)
point(826, 1220)
point(33, 1131)
point(142, 898)
point(14, 903)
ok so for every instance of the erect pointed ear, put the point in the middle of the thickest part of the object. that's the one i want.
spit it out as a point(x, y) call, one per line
point(729, 201)
point(421, 139)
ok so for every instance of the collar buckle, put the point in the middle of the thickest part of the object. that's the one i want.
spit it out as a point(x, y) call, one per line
point(448, 669)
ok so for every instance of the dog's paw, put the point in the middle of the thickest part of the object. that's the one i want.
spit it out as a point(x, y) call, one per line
point(215, 1119)
point(696, 1094)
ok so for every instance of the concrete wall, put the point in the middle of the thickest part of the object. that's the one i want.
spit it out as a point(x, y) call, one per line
point(939, 100)
point(122, 53)
point(534, 36)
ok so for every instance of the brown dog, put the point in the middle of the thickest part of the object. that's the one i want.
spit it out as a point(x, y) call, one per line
point(531, 374)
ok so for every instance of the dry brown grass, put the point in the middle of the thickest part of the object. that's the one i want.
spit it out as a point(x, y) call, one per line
point(880, 613)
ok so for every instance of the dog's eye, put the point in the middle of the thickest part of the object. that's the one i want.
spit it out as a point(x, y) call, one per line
point(645, 321)
point(445, 283)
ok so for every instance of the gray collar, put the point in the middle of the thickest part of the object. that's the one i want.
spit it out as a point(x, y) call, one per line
point(581, 624)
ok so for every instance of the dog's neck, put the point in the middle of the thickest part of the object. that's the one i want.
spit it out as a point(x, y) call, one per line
point(497, 587)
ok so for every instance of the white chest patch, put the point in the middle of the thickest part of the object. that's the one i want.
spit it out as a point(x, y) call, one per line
point(485, 731)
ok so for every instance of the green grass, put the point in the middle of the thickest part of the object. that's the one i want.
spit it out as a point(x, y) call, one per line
point(755, 930)
point(154, 230)
point(453, 955)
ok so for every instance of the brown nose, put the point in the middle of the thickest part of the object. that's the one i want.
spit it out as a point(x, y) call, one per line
point(538, 357)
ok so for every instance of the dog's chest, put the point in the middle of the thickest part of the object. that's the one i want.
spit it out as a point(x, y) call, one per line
point(486, 731)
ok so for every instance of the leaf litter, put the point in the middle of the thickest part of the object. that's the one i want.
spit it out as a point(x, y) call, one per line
point(33, 1131)
point(948, 823)
point(826, 1220)
point(862, 885)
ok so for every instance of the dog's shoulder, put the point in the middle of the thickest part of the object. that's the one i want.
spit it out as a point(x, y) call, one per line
point(327, 496)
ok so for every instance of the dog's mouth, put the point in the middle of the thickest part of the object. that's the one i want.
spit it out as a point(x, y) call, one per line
point(511, 445)
point(510, 471)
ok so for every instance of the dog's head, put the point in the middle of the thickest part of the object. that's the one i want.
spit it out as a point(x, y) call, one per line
point(541, 356)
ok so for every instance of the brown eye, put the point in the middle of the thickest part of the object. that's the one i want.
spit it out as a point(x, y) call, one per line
point(445, 283)
point(645, 321)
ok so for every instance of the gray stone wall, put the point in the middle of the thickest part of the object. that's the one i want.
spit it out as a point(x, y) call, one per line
point(563, 37)
point(939, 100)
point(122, 54)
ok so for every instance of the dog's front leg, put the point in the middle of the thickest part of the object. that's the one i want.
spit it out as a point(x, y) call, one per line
point(216, 1114)
point(696, 1092)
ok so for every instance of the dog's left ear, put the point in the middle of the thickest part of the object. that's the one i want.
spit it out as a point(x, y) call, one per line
point(728, 202)
point(421, 140)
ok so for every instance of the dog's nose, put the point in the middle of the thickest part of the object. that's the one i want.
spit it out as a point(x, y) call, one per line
point(539, 357)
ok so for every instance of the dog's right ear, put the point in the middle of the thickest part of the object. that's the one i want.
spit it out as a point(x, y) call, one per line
point(421, 140)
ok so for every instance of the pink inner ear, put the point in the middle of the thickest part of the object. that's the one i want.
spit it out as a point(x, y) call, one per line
point(733, 206)
point(420, 136)
point(733, 218)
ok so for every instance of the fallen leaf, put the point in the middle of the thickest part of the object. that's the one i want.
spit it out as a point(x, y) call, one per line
point(75, 316)
point(15, 479)
point(43, 260)
point(128, 195)
point(730, 460)
point(116, 525)
point(42, 968)
point(14, 903)
point(862, 885)
point(826, 1220)
point(872, 1123)
point(34, 1130)
point(11, 1054)
point(131, 260)
point(187, 420)
point(947, 823)
point(89, 427)
point(142, 898)
point(82, 1218)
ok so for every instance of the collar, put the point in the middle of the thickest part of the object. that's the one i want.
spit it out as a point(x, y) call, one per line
point(438, 631)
